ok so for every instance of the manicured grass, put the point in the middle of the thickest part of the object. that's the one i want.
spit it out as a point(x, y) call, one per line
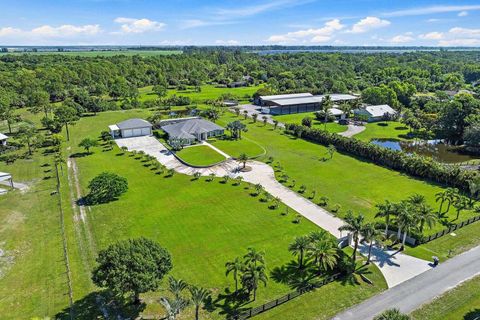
point(297, 118)
point(236, 147)
point(208, 92)
point(462, 302)
point(200, 155)
point(383, 130)
point(355, 184)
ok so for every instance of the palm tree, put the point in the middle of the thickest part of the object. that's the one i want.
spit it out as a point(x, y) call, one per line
point(370, 234)
point(258, 188)
point(474, 188)
point(331, 150)
point(198, 297)
point(254, 117)
point(243, 158)
point(452, 196)
point(442, 197)
point(253, 275)
point(173, 306)
point(385, 210)
point(327, 104)
point(298, 247)
point(416, 199)
point(176, 286)
point(254, 257)
point(264, 118)
point(324, 253)
point(461, 203)
point(235, 267)
point(425, 215)
point(403, 208)
point(354, 225)
point(392, 314)
point(275, 124)
point(407, 222)
point(245, 114)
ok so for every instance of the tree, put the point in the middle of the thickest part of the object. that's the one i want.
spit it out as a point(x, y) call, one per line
point(264, 118)
point(88, 143)
point(160, 90)
point(198, 297)
point(298, 248)
point(386, 210)
point(460, 203)
point(39, 101)
point(106, 187)
point(425, 215)
point(275, 124)
point(452, 195)
point(354, 225)
point(235, 267)
point(252, 276)
point(331, 150)
point(370, 234)
point(307, 122)
point(66, 116)
point(441, 196)
point(236, 128)
point(392, 314)
point(380, 95)
point(326, 105)
point(323, 249)
point(7, 111)
point(254, 117)
point(243, 158)
point(245, 114)
point(132, 266)
point(254, 257)
point(173, 307)
point(406, 220)
point(28, 134)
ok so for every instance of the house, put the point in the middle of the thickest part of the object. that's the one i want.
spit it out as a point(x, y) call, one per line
point(3, 139)
point(375, 113)
point(131, 128)
point(298, 102)
point(189, 130)
point(336, 112)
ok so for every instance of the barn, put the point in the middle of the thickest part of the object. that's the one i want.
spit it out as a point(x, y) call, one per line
point(131, 128)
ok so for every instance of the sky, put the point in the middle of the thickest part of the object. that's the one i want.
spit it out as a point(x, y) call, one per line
point(247, 22)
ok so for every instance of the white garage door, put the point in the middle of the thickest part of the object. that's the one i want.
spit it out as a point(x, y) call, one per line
point(137, 132)
point(146, 131)
point(127, 133)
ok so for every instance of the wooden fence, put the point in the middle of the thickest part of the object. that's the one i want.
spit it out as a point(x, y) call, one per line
point(450, 229)
point(274, 303)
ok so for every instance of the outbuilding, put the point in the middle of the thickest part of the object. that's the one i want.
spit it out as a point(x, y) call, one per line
point(376, 113)
point(3, 139)
point(131, 128)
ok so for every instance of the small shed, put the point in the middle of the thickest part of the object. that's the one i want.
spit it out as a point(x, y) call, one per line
point(3, 139)
point(131, 128)
point(376, 113)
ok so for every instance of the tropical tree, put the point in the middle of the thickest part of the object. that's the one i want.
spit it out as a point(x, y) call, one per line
point(425, 215)
point(275, 124)
point(258, 188)
point(252, 276)
point(254, 257)
point(452, 196)
point(88, 143)
point(264, 118)
point(298, 248)
point(392, 314)
point(406, 221)
point(353, 225)
point(307, 122)
point(331, 150)
point(235, 267)
point(324, 251)
point(243, 158)
point(245, 114)
point(370, 234)
point(254, 117)
point(460, 203)
point(173, 307)
point(120, 269)
point(198, 296)
point(326, 105)
point(386, 210)
point(441, 196)
point(474, 188)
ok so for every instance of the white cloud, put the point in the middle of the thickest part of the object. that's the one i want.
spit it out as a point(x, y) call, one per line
point(226, 42)
point(131, 25)
point(459, 42)
point(465, 32)
point(463, 13)
point(8, 31)
point(319, 35)
point(197, 23)
point(252, 10)
point(367, 24)
point(65, 30)
point(430, 10)
point(401, 38)
point(431, 36)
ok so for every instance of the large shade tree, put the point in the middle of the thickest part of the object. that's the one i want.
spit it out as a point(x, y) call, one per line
point(106, 187)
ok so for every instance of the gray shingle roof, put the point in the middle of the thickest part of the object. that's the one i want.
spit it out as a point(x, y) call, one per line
point(189, 128)
point(133, 124)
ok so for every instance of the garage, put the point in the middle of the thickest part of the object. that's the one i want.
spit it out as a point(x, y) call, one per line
point(131, 128)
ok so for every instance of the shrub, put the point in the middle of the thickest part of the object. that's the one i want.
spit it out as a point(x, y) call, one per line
point(106, 187)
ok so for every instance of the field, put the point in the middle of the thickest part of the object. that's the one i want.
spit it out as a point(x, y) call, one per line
point(208, 92)
point(200, 155)
point(297, 118)
point(143, 53)
point(383, 130)
point(462, 302)
point(236, 147)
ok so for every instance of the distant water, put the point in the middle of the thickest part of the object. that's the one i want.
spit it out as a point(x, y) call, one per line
point(362, 50)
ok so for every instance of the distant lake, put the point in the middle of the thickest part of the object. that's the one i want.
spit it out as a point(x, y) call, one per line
point(362, 50)
point(435, 149)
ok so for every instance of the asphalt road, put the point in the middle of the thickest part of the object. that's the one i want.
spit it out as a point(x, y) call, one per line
point(421, 289)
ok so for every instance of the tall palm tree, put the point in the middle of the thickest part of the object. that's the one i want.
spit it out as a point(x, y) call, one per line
point(254, 257)
point(386, 210)
point(461, 203)
point(452, 196)
point(402, 208)
point(370, 234)
point(324, 253)
point(327, 104)
point(298, 247)
point(407, 222)
point(425, 215)
point(198, 297)
point(474, 188)
point(253, 275)
point(442, 197)
point(235, 267)
point(354, 225)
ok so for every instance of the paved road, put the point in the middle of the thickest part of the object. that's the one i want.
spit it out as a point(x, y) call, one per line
point(421, 289)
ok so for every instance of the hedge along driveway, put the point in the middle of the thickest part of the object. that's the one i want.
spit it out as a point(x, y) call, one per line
point(353, 183)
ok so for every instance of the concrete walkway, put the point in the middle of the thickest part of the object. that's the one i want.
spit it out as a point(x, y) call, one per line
point(352, 130)
point(395, 268)
point(422, 289)
point(205, 143)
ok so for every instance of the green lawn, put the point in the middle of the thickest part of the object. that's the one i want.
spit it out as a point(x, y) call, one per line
point(462, 302)
point(354, 184)
point(383, 130)
point(199, 155)
point(297, 118)
point(208, 92)
point(236, 147)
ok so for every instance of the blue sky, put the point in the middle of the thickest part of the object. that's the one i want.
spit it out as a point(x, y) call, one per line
point(248, 22)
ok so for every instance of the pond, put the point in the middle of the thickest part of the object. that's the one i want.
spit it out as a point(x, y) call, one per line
point(430, 148)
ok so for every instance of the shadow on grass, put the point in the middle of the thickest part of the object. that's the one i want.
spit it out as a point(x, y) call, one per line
point(98, 305)
point(472, 315)
point(296, 278)
point(229, 303)
point(79, 155)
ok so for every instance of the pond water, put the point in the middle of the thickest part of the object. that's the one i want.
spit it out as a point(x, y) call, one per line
point(431, 148)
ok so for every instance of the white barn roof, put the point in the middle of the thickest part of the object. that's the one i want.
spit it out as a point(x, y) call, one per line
point(286, 96)
point(3, 137)
point(380, 110)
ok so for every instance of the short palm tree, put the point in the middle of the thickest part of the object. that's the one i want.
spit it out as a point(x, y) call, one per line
point(354, 225)
point(176, 286)
point(407, 222)
point(370, 234)
point(442, 197)
point(461, 203)
point(253, 275)
point(235, 267)
point(324, 253)
point(392, 314)
point(298, 248)
point(425, 215)
point(198, 297)
point(243, 158)
point(173, 306)
point(254, 257)
point(452, 196)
